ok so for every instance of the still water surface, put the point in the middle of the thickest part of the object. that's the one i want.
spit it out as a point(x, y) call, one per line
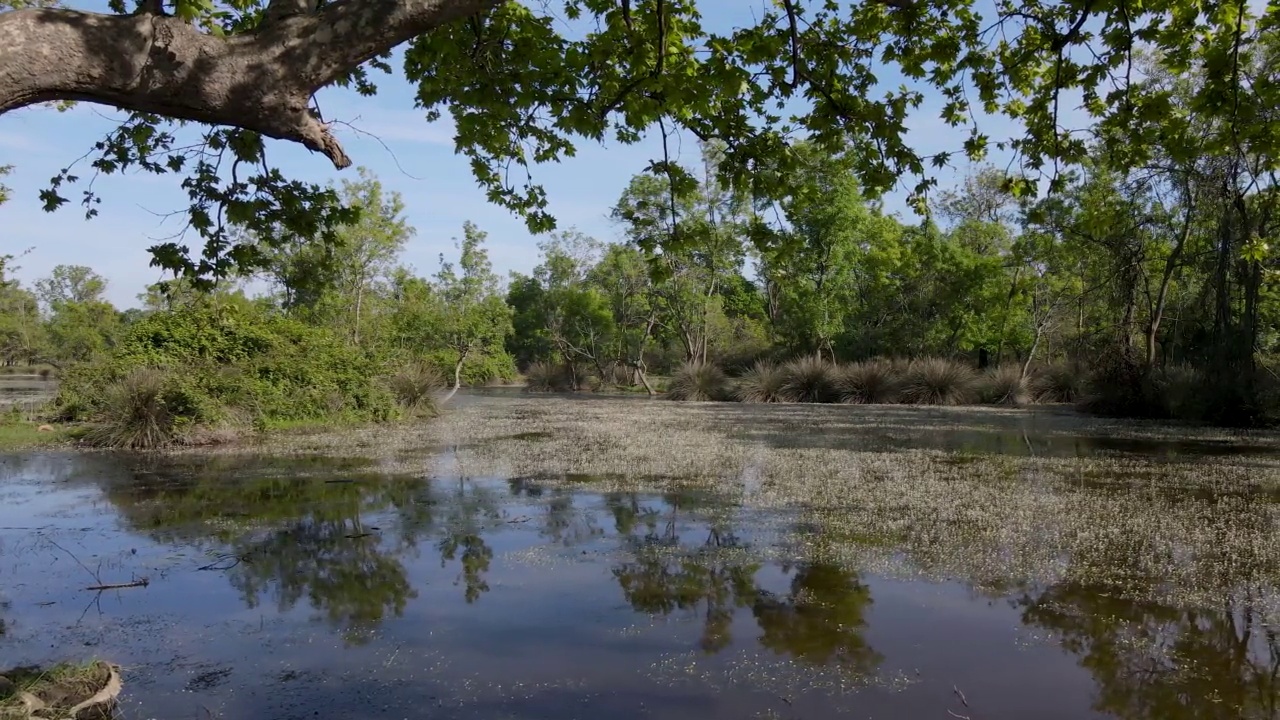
point(311, 587)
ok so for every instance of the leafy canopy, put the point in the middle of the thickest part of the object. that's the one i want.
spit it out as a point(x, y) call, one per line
point(526, 82)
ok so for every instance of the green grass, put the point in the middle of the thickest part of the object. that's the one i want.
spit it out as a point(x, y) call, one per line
point(24, 435)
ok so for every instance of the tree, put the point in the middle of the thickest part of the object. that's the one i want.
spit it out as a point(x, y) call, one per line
point(70, 284)
point(474, 318)
point(332, 282)
point(522, 88)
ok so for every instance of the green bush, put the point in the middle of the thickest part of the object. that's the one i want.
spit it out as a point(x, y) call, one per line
point(939, 381)
point(242, 361)
point(810, 380)
point(698, 382)
point(1005, 385)
point(872, 382)
point(761, 384)
point(478, 370)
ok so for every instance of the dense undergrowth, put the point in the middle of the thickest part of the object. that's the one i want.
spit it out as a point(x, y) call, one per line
point(203, 374)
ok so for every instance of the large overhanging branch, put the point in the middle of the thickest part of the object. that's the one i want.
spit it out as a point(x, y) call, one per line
point(261, 81)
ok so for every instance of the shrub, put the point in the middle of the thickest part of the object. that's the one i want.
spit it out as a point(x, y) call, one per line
point(698, 382)
point(872, 382)
point(1005, 385)
point(136, 413)
point(1060, 383)
point(1178, 392)
point(762, 383)
point(1117, 387)
point(552, 377)
point(236, 358)
point(809, 380)
point(415, 386)
point(938, 381)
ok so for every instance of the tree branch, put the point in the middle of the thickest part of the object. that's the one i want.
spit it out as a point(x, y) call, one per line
point(261, 81)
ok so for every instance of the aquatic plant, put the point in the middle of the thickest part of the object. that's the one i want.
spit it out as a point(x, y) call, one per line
point(762, 383)
point(698, 382)
point(870, 382)
point(939, 381)
point(809, 380)
point(1005, 385)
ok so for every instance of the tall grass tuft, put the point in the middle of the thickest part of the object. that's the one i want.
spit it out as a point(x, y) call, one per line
point(1005, 385)
point(809, 380)
point(1060, 382)
point(544, 377)
point(133, 413)
point(872, 382)
point(698, 382)
point(938, 381)
point(415, 386)
point(761, 384)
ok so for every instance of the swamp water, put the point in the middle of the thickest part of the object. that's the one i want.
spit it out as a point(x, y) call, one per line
point(591, 558)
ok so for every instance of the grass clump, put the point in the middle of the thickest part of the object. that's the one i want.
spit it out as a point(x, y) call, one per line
point(698, 382)
point(57, 691)
point(141, 411)
point(549, 377)
point(1005, 385)
point(873, 382)
point(809, 380)
point(939, 381)
point(415, 386)
point(1060, 382)
point(762, 383)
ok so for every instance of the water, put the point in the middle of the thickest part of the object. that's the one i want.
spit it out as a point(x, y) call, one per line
point(302, 587)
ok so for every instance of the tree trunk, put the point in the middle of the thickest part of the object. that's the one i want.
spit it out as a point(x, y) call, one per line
point(262, 80)
point(457, 378)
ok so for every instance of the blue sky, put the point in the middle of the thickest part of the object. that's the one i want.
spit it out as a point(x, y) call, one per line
point(418, 162)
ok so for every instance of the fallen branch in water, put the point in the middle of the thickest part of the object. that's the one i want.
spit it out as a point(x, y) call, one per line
point(118, 586)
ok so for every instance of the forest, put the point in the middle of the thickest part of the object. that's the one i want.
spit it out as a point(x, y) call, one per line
point(1140, 293)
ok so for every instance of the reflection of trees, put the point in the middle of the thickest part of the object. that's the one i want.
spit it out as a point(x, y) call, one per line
point(821, 620)
point(1153, 661)
point(664, 576)
point(331, 561)
point(291, 537)
point(469, 507)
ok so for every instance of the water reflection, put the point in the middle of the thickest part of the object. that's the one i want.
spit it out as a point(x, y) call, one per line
point(356, 548)
point(1156, 662)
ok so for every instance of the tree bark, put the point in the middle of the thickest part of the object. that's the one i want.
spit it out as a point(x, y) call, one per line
point(261, 80)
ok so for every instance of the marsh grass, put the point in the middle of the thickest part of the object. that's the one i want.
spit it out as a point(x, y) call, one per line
point(1061, 382)
point(415, 386)
point(762, 383)
point(698, 382)
point(59, 687)
point(545, 377)
point(1005, 385)
point(869, 382)
point(134, 413)
point(809, 380)
point(939, 381)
